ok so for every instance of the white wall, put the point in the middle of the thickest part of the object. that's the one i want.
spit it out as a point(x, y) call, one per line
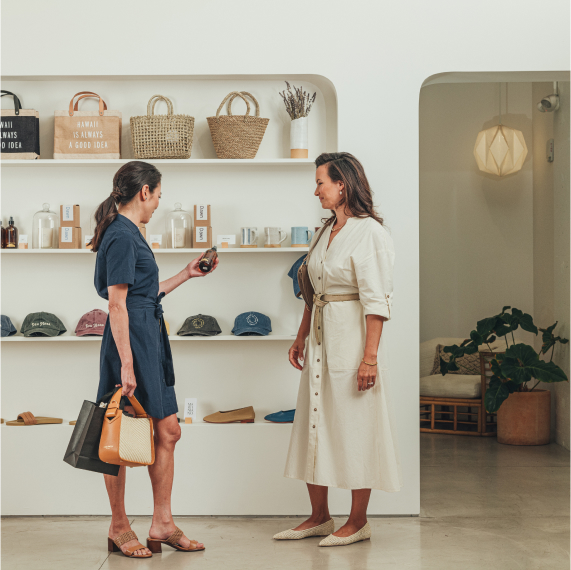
point(376, 54)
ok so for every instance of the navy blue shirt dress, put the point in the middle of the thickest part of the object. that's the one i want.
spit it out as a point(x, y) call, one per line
point(124, 256)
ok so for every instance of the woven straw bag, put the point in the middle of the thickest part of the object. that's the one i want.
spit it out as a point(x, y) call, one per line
point(162, 136)
point(237, 136)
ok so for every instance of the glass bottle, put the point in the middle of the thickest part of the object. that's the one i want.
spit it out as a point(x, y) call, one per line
point(206, 262)
point(179, 226)
point(11, 234)
point(3, 235)
point(45, 229)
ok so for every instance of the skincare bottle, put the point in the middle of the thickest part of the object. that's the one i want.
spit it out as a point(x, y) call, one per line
point(206, 262)
point(12, 234)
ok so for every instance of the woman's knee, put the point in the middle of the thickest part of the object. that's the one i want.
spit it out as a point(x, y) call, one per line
point(168, 433)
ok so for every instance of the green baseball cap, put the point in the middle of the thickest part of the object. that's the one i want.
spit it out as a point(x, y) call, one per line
point(42, 324)
point(200, 325)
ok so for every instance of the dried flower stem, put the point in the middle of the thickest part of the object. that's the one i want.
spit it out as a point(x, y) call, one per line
point(297, 103)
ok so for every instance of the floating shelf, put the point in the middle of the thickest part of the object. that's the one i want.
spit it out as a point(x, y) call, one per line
point(162, 162)
point(179, 250)
point(220, 337)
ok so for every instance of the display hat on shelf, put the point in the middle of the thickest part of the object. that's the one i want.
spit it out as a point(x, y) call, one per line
point(8, 329)
point(42, 324)
point(92, 323)
point(167, 326)
point(252, 323)
point(200, 325)
point(293, 274)
point(281, 417)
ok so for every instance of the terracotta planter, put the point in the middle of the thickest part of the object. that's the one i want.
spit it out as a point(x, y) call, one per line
point(525, 418)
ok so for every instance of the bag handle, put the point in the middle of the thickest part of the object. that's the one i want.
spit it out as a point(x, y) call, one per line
point(154, 100)
point(251, 97)
point(115, 404)
point(75, 108)
point(87, 94)
point(17, 104)
point(233, 94)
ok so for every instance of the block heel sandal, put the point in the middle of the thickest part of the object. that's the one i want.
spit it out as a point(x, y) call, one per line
point(155, 544)
point(114, 545)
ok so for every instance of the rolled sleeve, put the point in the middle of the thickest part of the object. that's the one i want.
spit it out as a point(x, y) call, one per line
point(374, 272)
point(121, 258)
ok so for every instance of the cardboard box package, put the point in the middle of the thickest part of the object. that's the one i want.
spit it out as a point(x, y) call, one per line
point(70, 238)
point(202, 215)
point(69, 216)
point(202, 237)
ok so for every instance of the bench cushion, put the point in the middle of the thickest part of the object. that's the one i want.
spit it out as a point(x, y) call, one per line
point(451, 386)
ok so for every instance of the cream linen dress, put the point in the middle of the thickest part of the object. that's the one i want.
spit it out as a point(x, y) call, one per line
point(342, 437)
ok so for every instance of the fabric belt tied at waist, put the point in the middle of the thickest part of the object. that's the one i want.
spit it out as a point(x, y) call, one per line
point(320, 300)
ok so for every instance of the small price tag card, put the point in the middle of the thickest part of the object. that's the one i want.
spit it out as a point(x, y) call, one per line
point(23, 241)
point(88, 242)
point(156, 241)
point(226, 240)
point(189, 410)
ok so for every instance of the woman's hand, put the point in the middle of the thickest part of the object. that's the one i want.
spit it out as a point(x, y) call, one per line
point(366, 377)
point(295, 353)
point(128, 380)
point(192, 267)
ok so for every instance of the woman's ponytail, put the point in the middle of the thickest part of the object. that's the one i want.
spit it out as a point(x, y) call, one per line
point(127, 183)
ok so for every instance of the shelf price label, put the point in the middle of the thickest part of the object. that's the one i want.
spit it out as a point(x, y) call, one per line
point(190, 410)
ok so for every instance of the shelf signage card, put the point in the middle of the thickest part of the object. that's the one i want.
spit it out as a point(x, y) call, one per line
point(190, 410)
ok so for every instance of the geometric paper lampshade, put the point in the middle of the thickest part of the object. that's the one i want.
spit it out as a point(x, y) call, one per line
point(500, 150)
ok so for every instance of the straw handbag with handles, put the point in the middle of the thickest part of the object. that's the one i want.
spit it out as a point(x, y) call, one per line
point(126, 439)
point(237, 136)
point(162, 136)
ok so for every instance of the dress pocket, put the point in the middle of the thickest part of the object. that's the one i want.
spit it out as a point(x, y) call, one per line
point(343, 335)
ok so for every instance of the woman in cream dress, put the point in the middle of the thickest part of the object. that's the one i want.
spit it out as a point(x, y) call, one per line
point(344, 432)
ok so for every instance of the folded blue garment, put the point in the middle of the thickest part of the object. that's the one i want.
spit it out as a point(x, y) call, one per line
point(281, 417)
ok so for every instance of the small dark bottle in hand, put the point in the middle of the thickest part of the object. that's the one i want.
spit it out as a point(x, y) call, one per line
point(206, 262)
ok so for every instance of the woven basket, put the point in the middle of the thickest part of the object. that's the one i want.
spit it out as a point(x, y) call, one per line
point(162, 136)
point(237, 136)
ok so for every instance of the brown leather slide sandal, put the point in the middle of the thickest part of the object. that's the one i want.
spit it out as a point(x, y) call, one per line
point(154, 544)
point(114, 545)
point(28, 419)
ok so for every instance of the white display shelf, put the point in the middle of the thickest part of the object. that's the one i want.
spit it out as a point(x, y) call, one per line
point(162, 162)
point(220, 337)
point(261, 249)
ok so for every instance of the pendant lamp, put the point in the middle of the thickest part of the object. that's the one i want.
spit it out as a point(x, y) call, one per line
point(500, 150)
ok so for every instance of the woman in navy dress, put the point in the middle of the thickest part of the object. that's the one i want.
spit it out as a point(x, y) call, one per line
point(135, 350)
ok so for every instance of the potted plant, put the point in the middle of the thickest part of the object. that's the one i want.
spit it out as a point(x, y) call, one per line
point(523, 413)
point(298, 103)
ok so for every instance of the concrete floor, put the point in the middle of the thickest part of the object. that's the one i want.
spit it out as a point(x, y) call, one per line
point(483, 505)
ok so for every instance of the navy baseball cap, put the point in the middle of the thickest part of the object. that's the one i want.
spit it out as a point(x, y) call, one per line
point(252, 324)
point(293, 274)
point(8, 329)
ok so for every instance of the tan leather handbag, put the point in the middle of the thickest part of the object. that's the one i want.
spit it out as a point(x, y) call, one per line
point(305, 287)
point(126, 439)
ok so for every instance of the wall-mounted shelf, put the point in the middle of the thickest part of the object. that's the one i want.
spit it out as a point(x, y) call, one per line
point(221, 337)
point(162, 162)
point(180, 250)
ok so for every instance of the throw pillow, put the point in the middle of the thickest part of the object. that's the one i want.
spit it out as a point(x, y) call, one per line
point(468, 364)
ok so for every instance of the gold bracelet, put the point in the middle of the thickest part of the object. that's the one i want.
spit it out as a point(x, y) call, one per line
point(368, 363)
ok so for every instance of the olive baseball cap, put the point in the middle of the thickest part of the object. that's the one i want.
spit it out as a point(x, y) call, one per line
point(42, 324)
point(200, 325)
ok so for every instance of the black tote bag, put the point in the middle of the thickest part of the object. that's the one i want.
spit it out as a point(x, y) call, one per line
point(19, 132)
point(83, 449)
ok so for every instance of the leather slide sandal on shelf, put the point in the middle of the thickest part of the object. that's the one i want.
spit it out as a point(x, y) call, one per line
point(28, 419)
point(114, 545)
point(154, 544)
point(242, 415)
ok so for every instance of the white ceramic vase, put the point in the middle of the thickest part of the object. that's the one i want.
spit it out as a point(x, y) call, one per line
point(299, 138)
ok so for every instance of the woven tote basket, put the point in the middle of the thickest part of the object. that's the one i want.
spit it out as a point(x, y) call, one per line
point(162, 136)
point(237, 136)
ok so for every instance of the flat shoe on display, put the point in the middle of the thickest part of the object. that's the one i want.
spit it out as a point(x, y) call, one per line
point(321, 530)
point(154, 544)
point(332, 540)
point(28, 419)
point(242, 415)
point(281, 417)
point(114, 545)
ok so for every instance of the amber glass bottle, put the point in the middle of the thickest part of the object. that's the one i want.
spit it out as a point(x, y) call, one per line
point(206, 262)
point(3, 235)
point(11, 234)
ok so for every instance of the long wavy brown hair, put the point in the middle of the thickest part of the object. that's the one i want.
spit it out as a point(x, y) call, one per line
point(127, 183)
point(358, 198)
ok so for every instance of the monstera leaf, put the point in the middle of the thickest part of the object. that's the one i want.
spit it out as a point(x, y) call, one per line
point(521, 363)
point(496, 393)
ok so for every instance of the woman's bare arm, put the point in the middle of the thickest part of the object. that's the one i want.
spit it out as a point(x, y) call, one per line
point(367, 375)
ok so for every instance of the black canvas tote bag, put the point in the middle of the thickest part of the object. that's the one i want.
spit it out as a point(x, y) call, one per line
point(83, 449)
point(19, 132)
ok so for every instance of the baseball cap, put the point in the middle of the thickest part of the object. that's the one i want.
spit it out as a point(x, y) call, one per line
point(167, 326)
point(92, 323)
point(200, 325)
point(8, 329)
point(42, 324)
point(252, 323)
point(293, 274)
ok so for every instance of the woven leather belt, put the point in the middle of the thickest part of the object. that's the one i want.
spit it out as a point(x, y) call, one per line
point(320, 300)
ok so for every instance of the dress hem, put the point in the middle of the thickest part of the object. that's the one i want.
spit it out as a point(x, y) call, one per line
point(336, 486)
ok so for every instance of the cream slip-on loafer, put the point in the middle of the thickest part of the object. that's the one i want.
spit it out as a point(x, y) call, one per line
point(363, 534)
point(321, 530)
